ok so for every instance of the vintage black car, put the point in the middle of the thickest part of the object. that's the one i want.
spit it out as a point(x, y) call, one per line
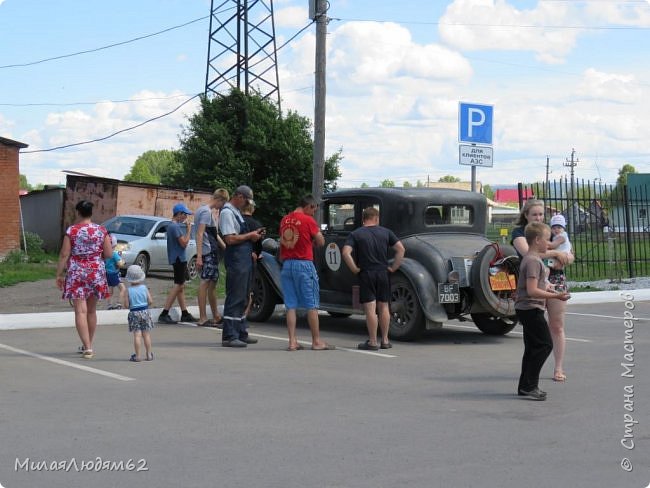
point(450, 269)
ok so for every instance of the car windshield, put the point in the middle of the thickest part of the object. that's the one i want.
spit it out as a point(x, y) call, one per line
point(130, 226)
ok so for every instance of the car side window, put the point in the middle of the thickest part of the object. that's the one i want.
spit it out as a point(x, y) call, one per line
point(161, 228)
point(340, 216)
point(448, 214)
point(433, 215)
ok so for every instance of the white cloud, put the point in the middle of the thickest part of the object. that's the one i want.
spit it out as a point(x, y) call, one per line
point(496, 25)
point(610, 87)
point(619, 13)
point(292, 17)
point(362, 53)
point(111, 158)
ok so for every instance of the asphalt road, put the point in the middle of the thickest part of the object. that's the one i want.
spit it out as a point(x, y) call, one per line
point(441, 412)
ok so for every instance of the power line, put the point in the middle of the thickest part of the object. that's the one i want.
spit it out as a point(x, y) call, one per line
point(146, 121)
point(68, 104)
point(139, 38)
point(522, 26)
point(114, 133)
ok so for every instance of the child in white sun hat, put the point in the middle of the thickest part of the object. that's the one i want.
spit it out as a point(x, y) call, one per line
point(559, 237)
point(137, 299)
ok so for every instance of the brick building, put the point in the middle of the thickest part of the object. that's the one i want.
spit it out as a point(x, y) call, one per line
point(9, 198)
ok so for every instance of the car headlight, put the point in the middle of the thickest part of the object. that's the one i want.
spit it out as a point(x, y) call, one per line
point(122, 246)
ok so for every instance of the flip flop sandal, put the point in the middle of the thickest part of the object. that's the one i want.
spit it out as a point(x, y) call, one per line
point(299, 347)
point(134, 359)
point(88, 354)
point(328, 347)
point(149, 357)
point(559, 377)
point(385, 345)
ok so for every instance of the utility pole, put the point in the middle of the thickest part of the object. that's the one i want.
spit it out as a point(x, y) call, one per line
point(572, 163)
point(320, 16)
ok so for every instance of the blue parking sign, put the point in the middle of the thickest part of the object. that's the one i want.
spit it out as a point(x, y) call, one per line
point(475, 123)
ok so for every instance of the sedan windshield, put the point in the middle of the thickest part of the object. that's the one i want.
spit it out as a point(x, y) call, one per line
point(130, 226)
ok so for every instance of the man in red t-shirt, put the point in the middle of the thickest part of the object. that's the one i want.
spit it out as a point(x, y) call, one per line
point(298, 234)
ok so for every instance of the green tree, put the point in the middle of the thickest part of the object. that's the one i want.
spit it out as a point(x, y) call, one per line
point(154, 167)
point(23, 183)
point(406, 184)
point(449, 179)
point(625, 170)
point(242, 139)
point(488, 192)
point(419, 184)
point(364, 185)
point(332, 171)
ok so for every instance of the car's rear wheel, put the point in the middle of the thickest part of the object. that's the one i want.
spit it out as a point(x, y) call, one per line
point(192, 270)
point(491, 325)
point(142, 260)
point(406, 316)
point(495, 298)
point(264, 299)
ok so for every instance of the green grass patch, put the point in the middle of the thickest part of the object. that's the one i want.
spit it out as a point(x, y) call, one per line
point(14, 269)
point(579, 289)
point(192, 287)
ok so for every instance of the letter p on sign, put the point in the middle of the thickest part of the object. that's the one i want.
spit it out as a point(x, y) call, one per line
point(475, 123)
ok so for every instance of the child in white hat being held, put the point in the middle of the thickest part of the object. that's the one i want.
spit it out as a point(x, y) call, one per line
point(559, 238)
point(137, 299)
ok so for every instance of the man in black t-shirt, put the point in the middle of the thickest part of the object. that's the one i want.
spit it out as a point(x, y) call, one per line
point(371, 244)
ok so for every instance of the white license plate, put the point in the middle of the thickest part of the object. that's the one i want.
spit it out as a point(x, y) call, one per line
point(448, 293)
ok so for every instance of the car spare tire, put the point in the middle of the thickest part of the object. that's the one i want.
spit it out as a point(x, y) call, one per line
point(493, 277)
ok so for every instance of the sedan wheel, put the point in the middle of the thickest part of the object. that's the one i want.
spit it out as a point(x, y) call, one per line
point(142, 260)
point(192, 269)
point(406, 316)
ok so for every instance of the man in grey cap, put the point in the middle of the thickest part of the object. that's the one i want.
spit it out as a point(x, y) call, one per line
point(239, 266)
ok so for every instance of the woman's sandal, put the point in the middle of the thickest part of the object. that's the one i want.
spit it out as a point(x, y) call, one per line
point(134, 359)
point(149, 357)
point(559, 377)
point(87, 354)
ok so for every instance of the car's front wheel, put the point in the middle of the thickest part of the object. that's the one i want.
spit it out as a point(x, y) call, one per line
point(192, 269)
point(142, 260)
point(264, 299)
point(406, 316)
point(491, 325)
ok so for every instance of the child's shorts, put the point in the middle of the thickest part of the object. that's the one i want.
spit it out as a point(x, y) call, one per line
point(113, 279)
point(140, 320)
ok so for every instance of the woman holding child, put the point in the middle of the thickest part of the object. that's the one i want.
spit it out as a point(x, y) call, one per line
point(533, 211)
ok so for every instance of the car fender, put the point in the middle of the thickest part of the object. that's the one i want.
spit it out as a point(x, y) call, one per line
point(272, 268)
point(426, 289)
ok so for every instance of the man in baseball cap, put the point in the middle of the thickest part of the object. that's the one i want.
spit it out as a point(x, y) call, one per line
point(239, 267)
point(181, 208)
point(177, 240)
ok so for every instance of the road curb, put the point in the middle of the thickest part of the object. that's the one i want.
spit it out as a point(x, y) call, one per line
point(54, 320)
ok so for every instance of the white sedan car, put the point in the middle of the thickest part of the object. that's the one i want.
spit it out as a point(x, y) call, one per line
point(142, 240)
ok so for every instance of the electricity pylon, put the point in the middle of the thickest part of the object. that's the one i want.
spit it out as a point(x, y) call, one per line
point(242, 50)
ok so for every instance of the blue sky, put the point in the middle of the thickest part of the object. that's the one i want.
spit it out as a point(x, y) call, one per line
point(559, 74)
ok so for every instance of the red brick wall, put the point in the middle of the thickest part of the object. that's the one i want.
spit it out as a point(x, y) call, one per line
point(9, 199)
